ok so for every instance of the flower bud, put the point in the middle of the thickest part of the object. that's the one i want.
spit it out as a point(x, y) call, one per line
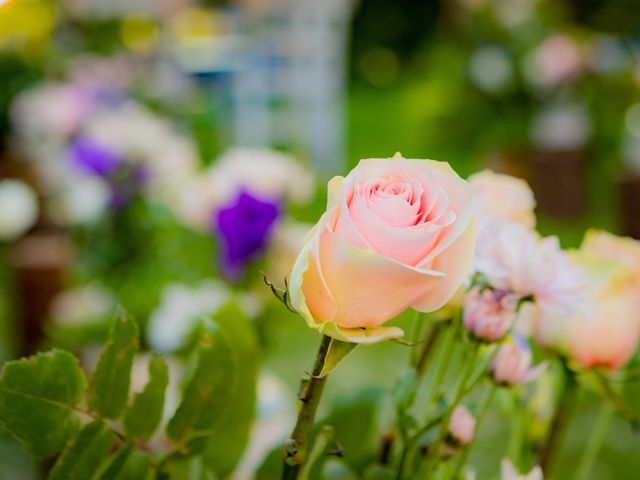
point(512, 363)
point(462, 426)
point(488, 313)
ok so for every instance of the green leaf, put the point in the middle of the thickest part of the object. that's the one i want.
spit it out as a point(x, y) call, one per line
point(125, 464)
point(110, 381)
point(80, 457)
point(218, 405)
point(144, 415)
point(337, 352)
point(37, 397)
point(230, 435)
point(206, 395)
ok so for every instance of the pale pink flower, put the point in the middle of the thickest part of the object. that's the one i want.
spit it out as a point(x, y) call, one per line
point(398, 233)
point(489, 313)
point(503, 196)
point(514, 258)
point(512, 363)
point(605, 331)
point(462, 425)
point(509, 472)
point(558, 59)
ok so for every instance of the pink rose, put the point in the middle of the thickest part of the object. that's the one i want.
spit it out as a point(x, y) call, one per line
point(512, 363)
point(489, 313)
point(462, 425)
point(397, 233)
point(604, 330)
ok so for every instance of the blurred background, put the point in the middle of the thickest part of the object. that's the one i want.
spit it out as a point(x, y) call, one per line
point(117, 117)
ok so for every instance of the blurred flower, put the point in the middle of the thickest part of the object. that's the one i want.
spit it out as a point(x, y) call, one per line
point(18, 209)
point(462, 426)
point(89, 156)
point(503, 196)
point(145, 142)
point(50, 111)
point(398, 233)
point(263, 174)
point(606, 245)
point(83, 201)
point(605, 331)
point(489, 313)
point(561, 127)
point(180, 310)
point(82, 305)
point(558, 59)
point(513, 13)
point(512, 363)
point(244, 229)
point(514, 258)
point(509, 472)
point(490, 68)
point(606, 54)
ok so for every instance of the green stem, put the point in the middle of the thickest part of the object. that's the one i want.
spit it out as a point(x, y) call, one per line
point(416, 333)
point(311, 391)
point(559, 423)
point(430, 343)
point(467, 369)
point(596, 439)
point(406, 458)
point(482, 410)
point(517, 432)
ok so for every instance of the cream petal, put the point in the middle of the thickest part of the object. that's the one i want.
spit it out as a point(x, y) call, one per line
point(370, 289)
point(456, 261)
point(363, 336)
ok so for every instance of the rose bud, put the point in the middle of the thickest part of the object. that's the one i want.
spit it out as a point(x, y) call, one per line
point(397, 234)
point(512, 363)
point(462, 426)
point(489, 313)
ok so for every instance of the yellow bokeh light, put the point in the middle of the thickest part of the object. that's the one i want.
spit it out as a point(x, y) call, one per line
point(138, 33)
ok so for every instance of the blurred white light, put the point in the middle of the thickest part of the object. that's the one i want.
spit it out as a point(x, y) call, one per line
point(18, 209)
point(562, 127)
point(490, 68)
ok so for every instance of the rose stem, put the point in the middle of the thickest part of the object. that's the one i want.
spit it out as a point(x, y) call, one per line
point(560, 421)
point(467, 368)
point(484, 406)
point(518, 431)
point(428, 347)
point(295, 450)
point(445, 356)
point(596, 439)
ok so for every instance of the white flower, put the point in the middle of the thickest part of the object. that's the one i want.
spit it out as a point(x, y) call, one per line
point(515, 258)
point(509, 472)
point(263, 173)
point(18, 209)
point(181, 308)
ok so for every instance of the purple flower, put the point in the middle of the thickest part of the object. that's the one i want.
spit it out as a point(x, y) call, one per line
point(91, 157)
point(244, 227)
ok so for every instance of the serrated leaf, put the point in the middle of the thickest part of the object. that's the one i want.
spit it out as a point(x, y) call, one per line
point(218, 405)
point(145, 413)
point(125, 464)
point(206, 395)
point(37, 397)
point(230, 435)
point(81, 455)
point(110, 381)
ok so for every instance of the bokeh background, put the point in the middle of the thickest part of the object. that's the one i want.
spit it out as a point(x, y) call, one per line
point(544, 90)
